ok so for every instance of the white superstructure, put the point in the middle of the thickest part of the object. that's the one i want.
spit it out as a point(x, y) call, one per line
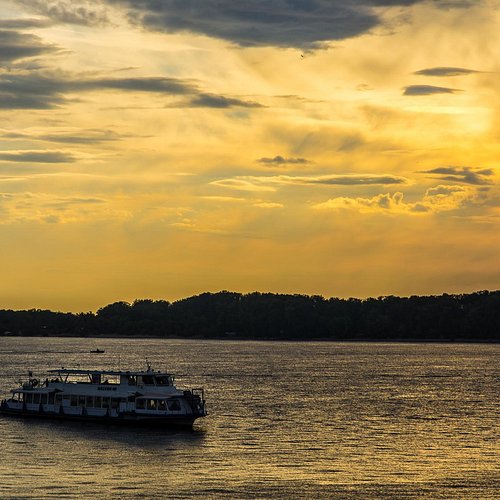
point(119, 396)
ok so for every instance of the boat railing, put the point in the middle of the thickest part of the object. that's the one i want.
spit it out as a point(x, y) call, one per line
point(196, 399)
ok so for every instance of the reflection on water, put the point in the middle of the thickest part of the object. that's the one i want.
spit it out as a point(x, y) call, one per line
point(97, 434)
point(286, 420)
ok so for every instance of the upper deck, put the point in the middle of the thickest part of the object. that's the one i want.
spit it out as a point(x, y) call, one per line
point(139, 378)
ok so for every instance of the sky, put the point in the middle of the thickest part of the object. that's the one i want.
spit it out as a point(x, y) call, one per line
point(165, 148)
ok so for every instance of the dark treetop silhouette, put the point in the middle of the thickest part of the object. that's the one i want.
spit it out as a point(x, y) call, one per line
point(467, 317)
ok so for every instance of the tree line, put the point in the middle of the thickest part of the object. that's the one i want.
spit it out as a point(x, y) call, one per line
point(456, 317)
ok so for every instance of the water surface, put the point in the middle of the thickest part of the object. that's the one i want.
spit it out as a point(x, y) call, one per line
point(287, 420)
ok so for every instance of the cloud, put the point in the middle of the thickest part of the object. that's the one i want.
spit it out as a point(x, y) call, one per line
point(63, 203)
point(384, 202)
point(445, 71)
point(159, 84)
point(305, 24)
point(241, 184)
point(280, 160)
point(269, 183)
point(267, 204)
point(355, 180)
point(82, 12)
point(435, 200)
point(220, 102)
point(444, 198)
point(36, 156)
point(24, 23)
point(15, 45)
point(49, 208)
point(467, 175)
point(80, 137)
point(283, 23)
point(38, 90)
point(428, 90)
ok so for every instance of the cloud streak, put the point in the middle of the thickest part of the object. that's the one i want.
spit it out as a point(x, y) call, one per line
point(82, 137)
point(467, 175)
point(270, 183)
point(36, 156)
point(280, 160)
point(418, 90)
point(445, 71)
point(38, 90)
point(16, 45)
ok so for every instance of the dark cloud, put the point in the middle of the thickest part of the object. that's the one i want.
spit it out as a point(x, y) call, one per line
point(467, 175)
point(306, 24)
point(24, 23)
point(15, 45)
point(285, 23)
point(445, 71)
point(82, 137)
point(428, 90)
point(280, 160)
point(268, 183)
point(218, 101)
point(37, 90)
point(419, 208)
point(357, 180)
point(160, 85)
point(85, 138)
point(83, 12)
point(30, 91)
point(36, 156)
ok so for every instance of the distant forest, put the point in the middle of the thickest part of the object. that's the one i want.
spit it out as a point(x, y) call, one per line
point(469, 317)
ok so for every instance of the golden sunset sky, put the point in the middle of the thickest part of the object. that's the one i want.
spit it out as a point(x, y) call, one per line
point(161, 149)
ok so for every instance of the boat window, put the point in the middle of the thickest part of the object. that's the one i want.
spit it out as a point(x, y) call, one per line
point(140, 404)
point(58, 398)
point(114, 403)
point(97, 401)
point(43, 399)
point(105, 402)
point(74, 400)
point(51, 398)
point(36, 398)
point(148, 380)
point(174, 405)
point(132, 380)
point(162, 405)
point(151, 404)
point(162, 380)
point(28, 398)
point(89, 402)
point(81, 400)
point(131, 398)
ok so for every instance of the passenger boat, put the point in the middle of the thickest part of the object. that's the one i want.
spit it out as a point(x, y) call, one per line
point(130, 397)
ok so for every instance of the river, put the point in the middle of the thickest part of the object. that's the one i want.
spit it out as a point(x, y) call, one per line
point(286, 420)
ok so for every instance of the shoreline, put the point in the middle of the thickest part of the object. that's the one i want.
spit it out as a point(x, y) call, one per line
point(253, 339)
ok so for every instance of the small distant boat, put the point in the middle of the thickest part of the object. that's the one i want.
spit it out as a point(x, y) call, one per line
point(97, 351)
point(143, 397)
